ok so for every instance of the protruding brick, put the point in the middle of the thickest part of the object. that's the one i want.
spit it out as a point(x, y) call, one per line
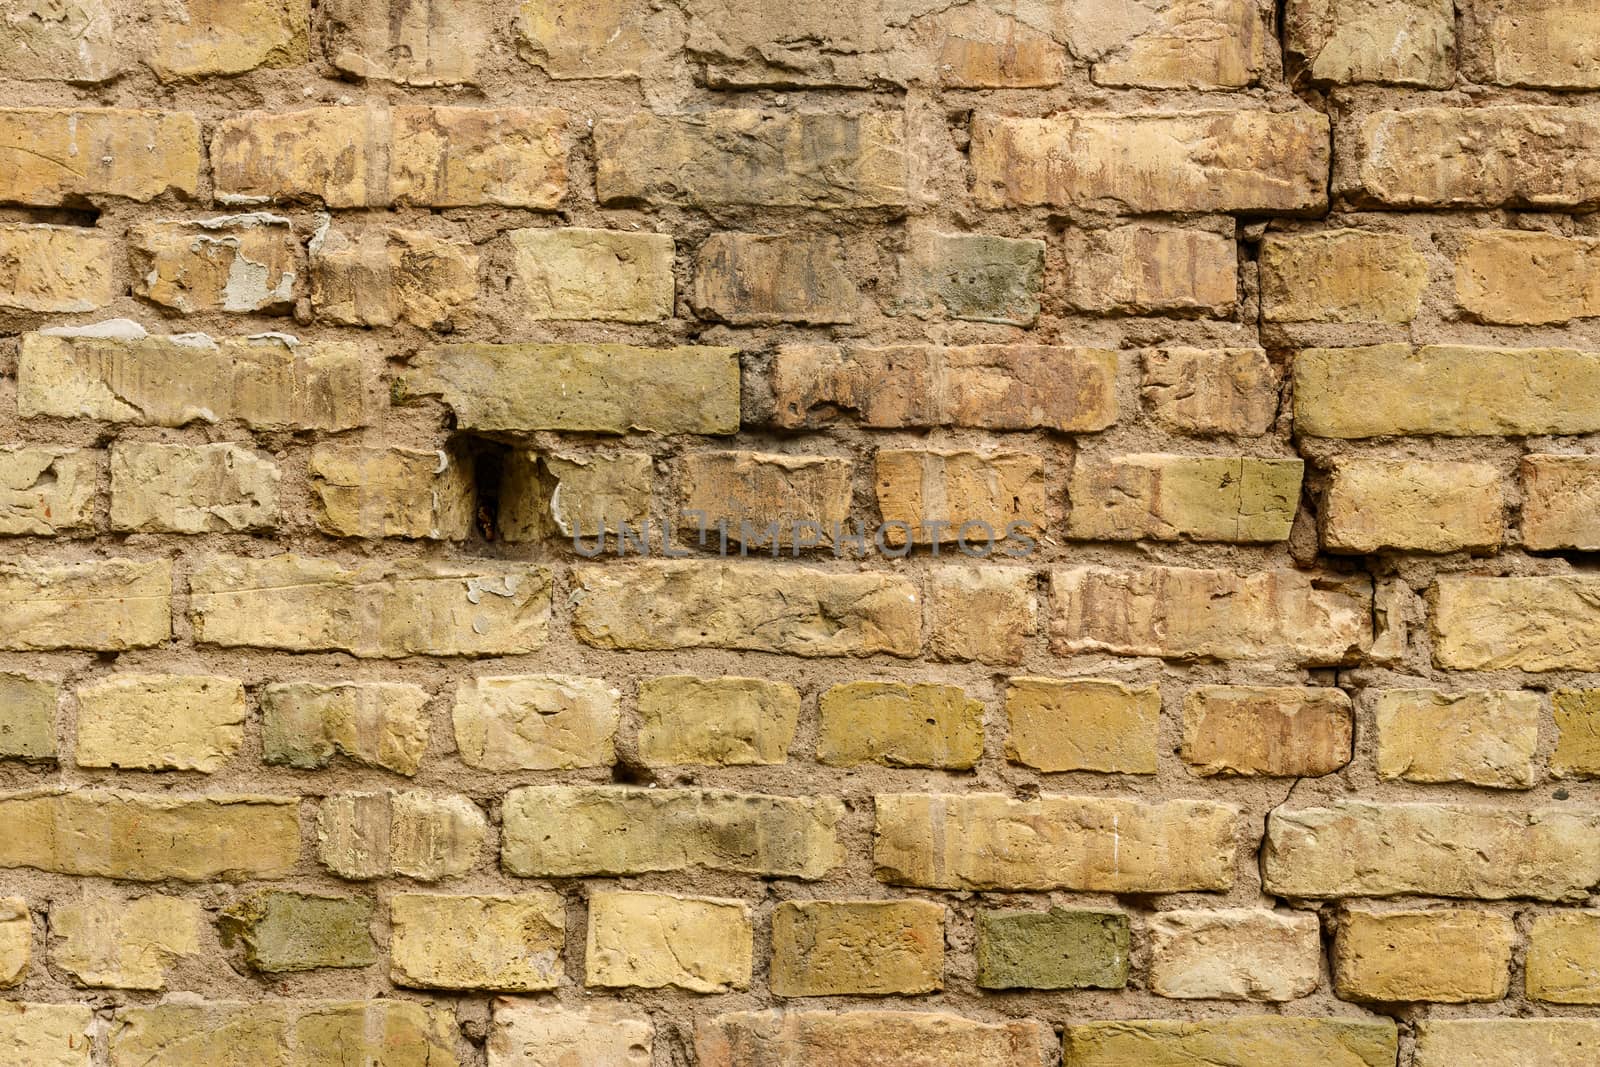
point(1543, 46)
point(47, 1035)
point(16, 941)
point(1341, 276)
point(239, 263)
point(530, 1034)
point(391, 492)
point(1268, 731)
point(826, 948)
point(1527, 278)
point(477, 942)
point(538, 722)
point(753, 279)
point(294, 1033)
point(204, 37)
point(652, 940)
point(768, 43)
point(381, 276)
point(1169, 498)
point(1535, 624)
point(110, 943)
point(27, 717)
point(1141, 269)
point(160, 722)
point(1056, 949)
point(1262, 1039)
point(1093, 844)
point(1563, 964)
point(106, 605)
point(1482, 737)
point(417, 835)
point(973, 276)
point(1200, 391)
point(982, 613)
point(1561, 502)
point(899, 725)
point(1413, 505)
point(612, 275)
point(1577, 718)
point(862, 1038)
point(936, 496)
point(46, 491)
point(54, 268)
point(585, 38)
point(1486, 1042)
point(1082, 724)
point(744, 492)
point(284, 931)
point(1404, 42)
point(1243, 954)
point(192, 489)
point(1443, 956)
point(375, 724)
point(719, 722)
point(115, 152)
point(60, 40)
point(410, 42)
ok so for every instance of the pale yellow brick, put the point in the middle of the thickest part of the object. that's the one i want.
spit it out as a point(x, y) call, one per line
point(1563, 964)
point(984, 48)
point(1142, 269)
point(28, 717)
point(1414, 505)
point(294, 1033)
point(1525, 278)
point(948, 495)
point(192, 489)
point(1549, 46)
point(377, 724)
point(857, 948)
point(54, 268)
point(1082, 724)
point(391, 492)
point(1489, 1042)
point(47, 1035)
point(585, 38)
point(1200, 44)
point(899, 725)
point(1170, 498)
point(1535, 624)
point(1238, 954)
point(1445, 956)
point(47, 490)
point(726, 721)
point(1394, 42)
point(160, 722)
point(477, 942)
point(984, 613)
point(1260, 1039)
point(1560, 502)
point(744, 492)
point(1200, 391)
point(1483, 737)
point(67, 40)
point(1271, 731)
point(539, 722)
point(410, 42)
point(612, 275)
point(417, 835)
point(527, 1033)
point(573, 496)
point(57, 156)
point(107, 605)
point(1577, 718)
point(652, 940)
point(16, 941)
point(382, 276)
point(867, 1038)
point(239, 263)
point(196, 38)
point(113, 943)
point(1341, 276)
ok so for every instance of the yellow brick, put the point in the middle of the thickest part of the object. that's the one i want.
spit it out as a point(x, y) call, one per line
point(536, 722)
point(982, 612)
point(1535, 624)
point(948, 495)
point(1488, 1042)
point(111, 943)
point(55, 268)
point(613, 275)
point(66, 40)
point(899, 725)
point(1272, 731)
point(411, 42)
point(1548, 46)
point(1482, 737)
point(1445, 956)
point(239, 263)
point(108, 605)
point(192, 489)
point(1341, 276)
point(1561, 502)
point(754, 279)
point(415, 834)
point(1525, 278)
point(381, 276)
point(609, 1034)
point(585, 38)
point(160, 722)
point(204, 37)
point(1238, 954)
point(716, 721)
point(868, 1038)
point(1082, 724)
point(477, 942)
point(294, 1033)
point(1577, 717)
point(1170, 498)
point(377, 724)
point(652, 940)
point(857, 947)
point(573, 496)
point(1415, 505)
point(1394, 42)
point(1147, 269)
point(1563, 965)
point(91, 152)
point(47, 490)
point(47, 1035)
point(16, 941)
point(743, 492)
point(1211, 391)
point(391, 492)
point(1262, 1039)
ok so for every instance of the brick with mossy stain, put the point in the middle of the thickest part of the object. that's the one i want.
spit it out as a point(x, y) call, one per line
point(283, 931)
point(976, 277)
point(1061, 948)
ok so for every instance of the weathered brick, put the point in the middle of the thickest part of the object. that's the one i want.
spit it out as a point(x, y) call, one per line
point(1560, 502)
point(1246, 161)
point(16, 941)
point(1212, 44)
point(1094, 844)
point(973, 276)
point(290, 1033)
point(720, 722)
point(539, 722)
point(762, 608)
point(754, 279)
point(596, 388)
point(862, 1038)
point(375, 724)
point(46, 490)
point(381, 276)
point(530, 1034)
point(1234, 1042)
point(284, 931)
point(1486, 1042)
point(1535, 624)
point(477, 942)
point(1447, 956)
point(1341, 276)
point(54, 268)
point(574, 495)
point(1082, 724)
point(1202, 391)
point(1356, 849)
point(192, 489)
point(417, 835)
point(769, 43)
point(1450, 390)
point(982, 613)
point(1243, 954)
point(150, 838)
point(106, 942)
point(651, 940)
point(612, 275)
point(1525, 278)
point(1563, 964)
point(1577, 718)
point(377, 610)
point(1057, 949)
point(160, 722)
point(106, 605)
point(1393, 42)
point(1140, 269)
point(585, 38)
point(47, 1035)
point(899, 725)
point(1171, 498)
point(936, 496)
point(986, 387)
point(1547, 46)
point(27, 717)
point(739, 157)
point(983, 48)
point(411, 42)
point(826, 948)
point(1482, 737)
point(743, 492)
point(206, 37)
point(562, 831)
point(67, 40)
point(237, 263)
point(1413, 505)
point(1183, 613)
point(391, 492)
point(1270, 731)
point(173, 381)
point(77, 155)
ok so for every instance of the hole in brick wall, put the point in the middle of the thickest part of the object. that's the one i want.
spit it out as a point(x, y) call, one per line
point(488, 460)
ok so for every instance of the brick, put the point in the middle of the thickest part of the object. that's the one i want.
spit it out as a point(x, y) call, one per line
point(16, 941)
point(612, 275)
point(975, 498)
point(1243, 954)
point(1443, 956)
point(409, 42)
point(1169, 498)
point(1140, 270)
point(1483, 737)
point(66, 40)
point(1341, 276)
point(536, 722)
point(150, 838)
point(383, 276)
point(1513, 156)
point(596, 388)
point(976, 277)
point(1093, 844)
point(391, 492)
point(156, 722)
point(899, 725)
point(27, 717)
point(1560, 497)
point(374, 610)
point(54, 268)
point(1484, 1042)
point(192, 489)
point(105, 605)
point(744, 492)
point(1182, 613)
point(1547, 47)
point(290, 1033)
point(46, 491)
point(741, 157)
point(477, 942)
point(47, 1035)
point(653, 940)
point(861, 1038)
point(1235, 1042)
point(1216, 44)
point(208, 37)
point(760, 608)
point(111, 943)
point(1199, 391)
point(133, 154)
point(562, 831)
point(1082, 724)
point(530, 1034)
point(1358, 849)
point(574, 495)
point(1267, 731)
point(766, 43)
point(988, 614)
point(985, 387)
point(826, 948)
point(759, 279)
point(1203, 161)
point(1449, 390)
point(236, 263)
point(1535, 624)
point(169, 381)
point(1341, 42)
point(374, 724)
point(1523, 278)
point(982, 48)
point(1412, 505)
point(417, 835)
point(716, 722)
point(1577, 718)
point(1563, 963)
point(1057, 949)
point(284, 932)
point(585, 38)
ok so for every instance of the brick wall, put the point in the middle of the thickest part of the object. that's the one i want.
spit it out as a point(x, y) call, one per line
point(1266, 737)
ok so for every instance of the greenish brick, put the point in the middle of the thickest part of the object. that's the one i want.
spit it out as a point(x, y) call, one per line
point(1056, 949)
point(27, 718)
point(285, 931)
point(976, 277)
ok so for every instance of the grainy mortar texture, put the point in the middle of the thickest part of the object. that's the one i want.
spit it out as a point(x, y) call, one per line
point(1266, 738)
